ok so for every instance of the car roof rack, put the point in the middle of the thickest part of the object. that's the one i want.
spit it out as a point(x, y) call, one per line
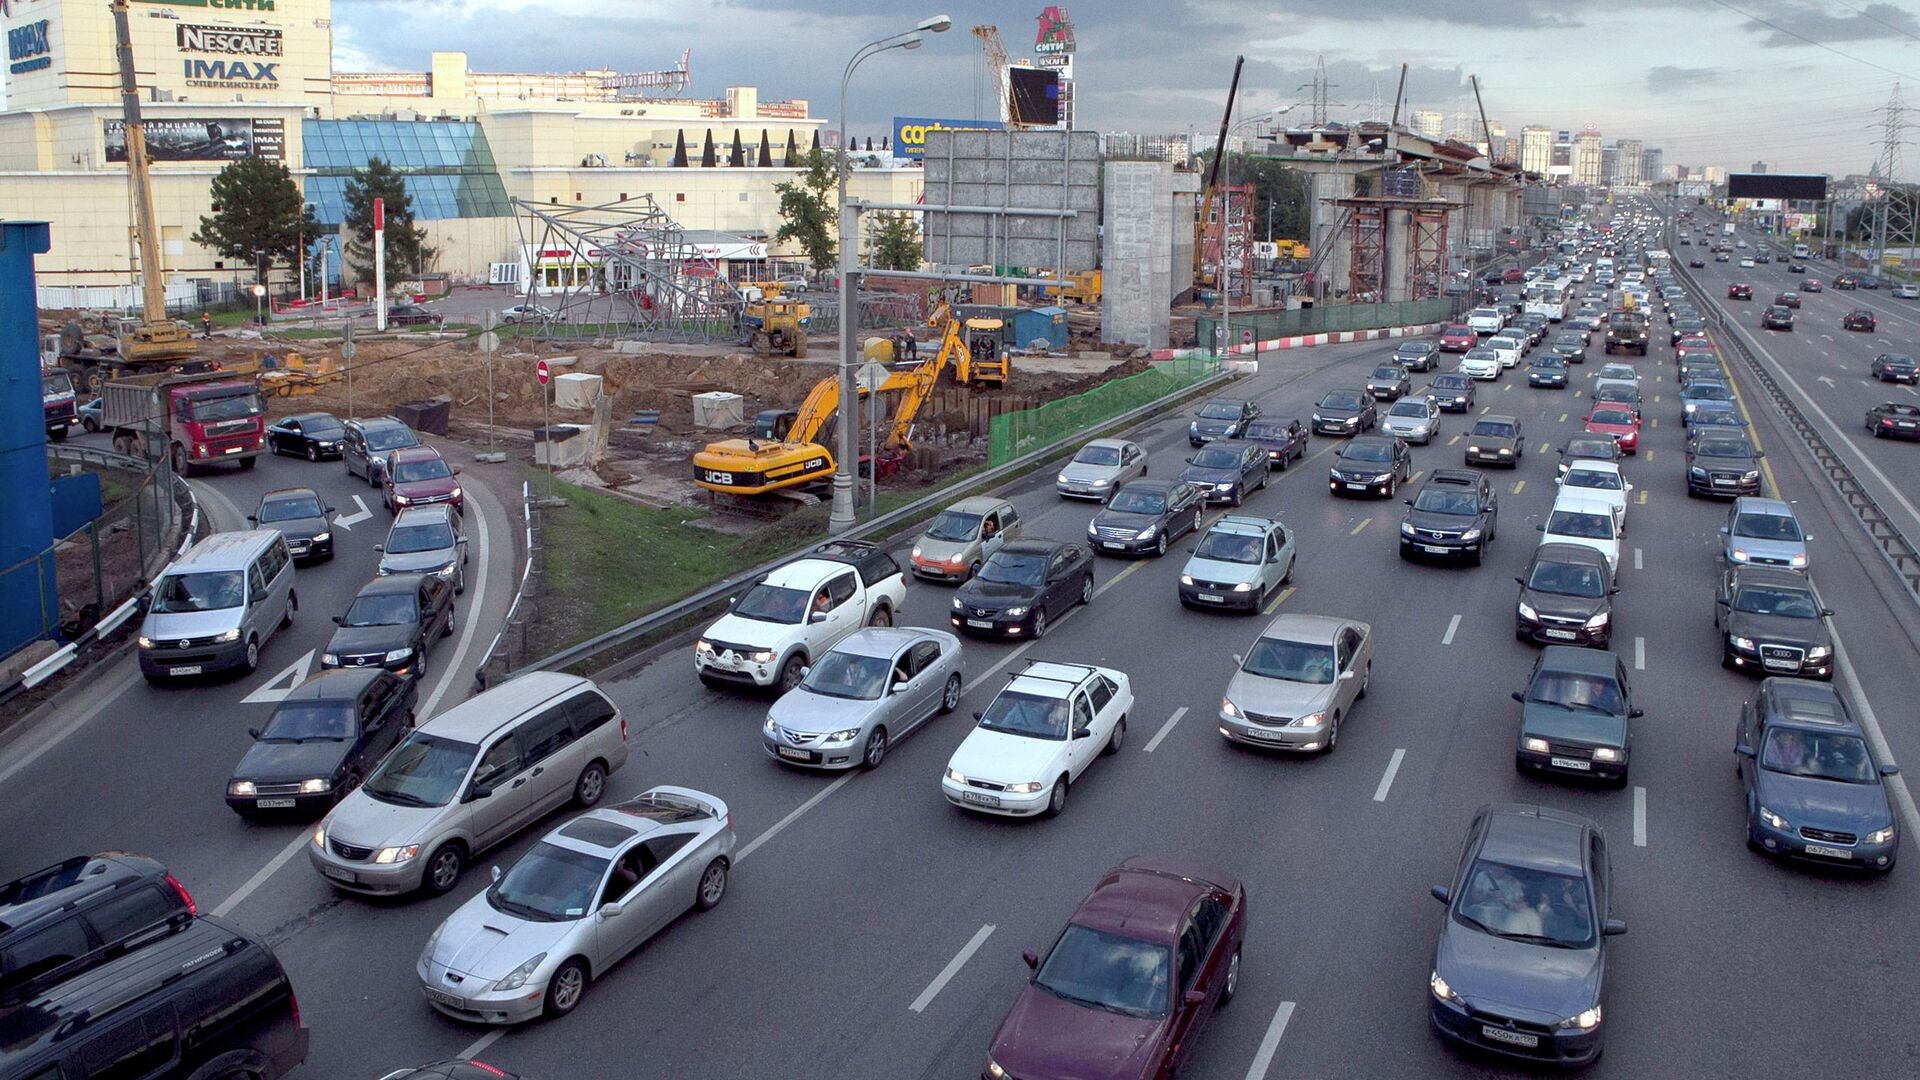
point(1056, 671)
point(844, 550)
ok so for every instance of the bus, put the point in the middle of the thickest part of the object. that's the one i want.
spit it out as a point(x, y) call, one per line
point(1549, 298)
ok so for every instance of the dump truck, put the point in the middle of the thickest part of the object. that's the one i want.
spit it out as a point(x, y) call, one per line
point(197, 419)
point(58, 402)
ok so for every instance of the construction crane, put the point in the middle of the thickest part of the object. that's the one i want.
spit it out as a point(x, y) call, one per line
point(155, 339)
point(995, 56)
point(1200, 273)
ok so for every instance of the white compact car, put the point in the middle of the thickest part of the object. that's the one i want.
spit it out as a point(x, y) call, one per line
point(1480, 363)
point(1037, 737)
point(1599, 480)
point(1508, 348)
point(1579, 517)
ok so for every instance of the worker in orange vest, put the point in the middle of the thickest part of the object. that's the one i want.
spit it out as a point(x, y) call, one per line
point(206, 325)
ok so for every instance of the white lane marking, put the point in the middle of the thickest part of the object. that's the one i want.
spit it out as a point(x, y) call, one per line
point(1639, 817)
point(80, 720)
point(480, 1044)
point(475, 605)
point(1166, 728)
point(953, 967)
point(1452, 625)
point(1639, 654)
point(1872, 725)
point(1271, 1044)
point(261, 875)
point(818, 797)
point(1636, 556)
point(350, 520)
point(1393, 769)
point(282, 684)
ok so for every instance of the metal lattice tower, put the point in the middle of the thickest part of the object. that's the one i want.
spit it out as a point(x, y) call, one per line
point(630, 272)
point(1893, 219)
point(1319, 86)
point(1893, 132)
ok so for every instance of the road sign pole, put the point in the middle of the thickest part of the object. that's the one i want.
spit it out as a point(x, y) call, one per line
point(541, 372)
point(347, 349)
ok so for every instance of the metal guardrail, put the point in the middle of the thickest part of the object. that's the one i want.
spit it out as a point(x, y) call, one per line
point(1894, 546)
point(480, 678)
point(672, 613)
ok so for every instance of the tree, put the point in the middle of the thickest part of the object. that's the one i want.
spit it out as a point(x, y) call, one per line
point(896, 241)
point(807, 209)
point(1277, 189)
point(406, 242)
point(257, 208)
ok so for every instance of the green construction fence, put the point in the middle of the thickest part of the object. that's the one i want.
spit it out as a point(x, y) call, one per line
point(1329, 318)
point(1014, 434)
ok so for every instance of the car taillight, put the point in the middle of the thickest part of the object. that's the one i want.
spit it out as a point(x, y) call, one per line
point(181, 890)
point(485, 1067)
point(293, 1006)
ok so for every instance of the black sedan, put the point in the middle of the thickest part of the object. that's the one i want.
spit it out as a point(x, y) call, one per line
point(1814, 788)
point(1787, 299)
point(1697, 262)
point(1777, 317)
point(1521, 962)
point(298, 515)
point(310, 435)
point(1721, 461)
point(1691, 326)
point(1345, 412)
point(392, 623)
point(1389, 382)
point(1453, 393)
point(1021, 586)
point(1772, 622)
point(1496, 440)
point(1796, 268)
point(1892, 367)
point(1145, 516)
point(1370, 465)
point(1284, 440)
point(1548, 370)
point(1858, 319)
point(1226, 470)
point(1221, 418)
point(1416, 355)
point(1894, 420)
point(321, 740)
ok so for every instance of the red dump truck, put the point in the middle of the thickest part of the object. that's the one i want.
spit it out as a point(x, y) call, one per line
point(57, 401)
point(196, 419)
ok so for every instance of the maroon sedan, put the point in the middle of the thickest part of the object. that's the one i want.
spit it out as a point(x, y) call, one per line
point(1131, 982)
point(416, 476)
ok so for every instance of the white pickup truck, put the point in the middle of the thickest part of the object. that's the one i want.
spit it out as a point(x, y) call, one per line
point(797, 612)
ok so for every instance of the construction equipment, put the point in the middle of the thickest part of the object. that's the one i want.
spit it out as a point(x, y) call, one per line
point(1202, 273)
point(777, 324)
point(197, 419)
point(972, 346)
point(1080, 287)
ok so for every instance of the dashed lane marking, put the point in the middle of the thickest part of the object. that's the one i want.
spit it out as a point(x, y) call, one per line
point(1453, 625)
point(1364, 522)
point(1165, 728)
point(1278, 600)
point(1393, 769)
point(953, 967)
point(1639, 817)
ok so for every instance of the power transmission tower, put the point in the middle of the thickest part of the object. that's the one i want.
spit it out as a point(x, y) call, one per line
point(1320, 86)
point(1893, 126)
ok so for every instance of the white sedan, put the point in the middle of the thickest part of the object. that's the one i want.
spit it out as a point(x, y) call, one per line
point(526, 313)
point(1746, 263)
point(1480, 363)
point(1508, 349)
point(1600, 480)
point(1042, 731)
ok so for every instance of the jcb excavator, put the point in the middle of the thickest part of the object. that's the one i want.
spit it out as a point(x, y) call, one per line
point(972, 346)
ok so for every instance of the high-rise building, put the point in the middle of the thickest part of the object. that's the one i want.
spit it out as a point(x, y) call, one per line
point(1759, 167)
point(1650, 167)
point(1713, 174)
point(1631, 161)
point(1430, 123)
point(1499, 147)
point(1536, 148)
point(1586, 157)
point(1610, 165)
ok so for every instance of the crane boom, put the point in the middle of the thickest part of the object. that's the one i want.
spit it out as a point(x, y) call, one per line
point(157, 338)
point(1213, 175)
point(995, 55)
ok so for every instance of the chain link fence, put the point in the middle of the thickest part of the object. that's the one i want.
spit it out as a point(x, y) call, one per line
point(1326, 319)
point(1017, 433)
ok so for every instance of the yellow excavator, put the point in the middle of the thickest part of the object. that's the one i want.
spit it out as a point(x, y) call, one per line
point(972, 346)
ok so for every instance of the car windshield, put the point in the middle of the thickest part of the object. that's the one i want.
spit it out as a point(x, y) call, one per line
point(1217, 458)
point(954, 527)
point(1415, 348)
point(1733, 448)
point(1450, 382)
point(1456, 331)
point(228, 406)
point(424, 469)
point(1706, 391)
point(1766, 526)
point(1011, 568)
point(1230, 547)
point(1822, 754)
point(1445, 501)
point(390, 438)
point(1610, 416)
point(1482, 354)
point(1597, 479)
point(1138, 502)
point(298, 721)
point(1777, 600)
point(1098, 970)
point(179, 593)
point(408, 539)
point(55, 384)
point(1525, 904)
point(1266, 429)
point(289, 508)
point(425, 770)
point(1367, 450)
point(1567, 579)
point(548, 884)
point(1409, 408)
point(380, 609)
point(846, 675)
point(1392, 373)
point(771, 603)
point(1549, 361)
point(1577, 691)
point(1342, 399)
point(1495, 429)
point(1579, 524)
point(1098, 455)
point(1220, 410)
point(1902, 362)
point(1017, 713)
point(1294, 661)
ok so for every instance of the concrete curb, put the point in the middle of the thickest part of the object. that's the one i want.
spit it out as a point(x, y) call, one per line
point(1335, 337)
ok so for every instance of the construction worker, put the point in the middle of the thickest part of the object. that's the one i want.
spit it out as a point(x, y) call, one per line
point(906, 346)
point(206, 325)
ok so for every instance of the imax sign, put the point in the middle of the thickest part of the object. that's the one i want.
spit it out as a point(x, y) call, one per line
point(28, 48)
point(242, 41)
point(242, 74)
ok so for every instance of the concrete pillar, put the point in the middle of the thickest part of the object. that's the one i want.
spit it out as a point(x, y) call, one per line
point(29, 602)
point(1137, 256)
point(1399, 256)
point(1457, 236)
point(1337, 265)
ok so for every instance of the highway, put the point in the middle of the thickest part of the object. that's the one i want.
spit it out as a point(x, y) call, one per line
point(874, 931)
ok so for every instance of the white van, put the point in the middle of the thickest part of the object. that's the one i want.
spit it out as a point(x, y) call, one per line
point(1801, 251)
point(217, 606)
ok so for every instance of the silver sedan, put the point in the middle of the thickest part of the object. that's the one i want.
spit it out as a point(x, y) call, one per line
point(1415, 419)
point(587, 894)
point(1101, 468)
point(874, 688)
point(1298, 683)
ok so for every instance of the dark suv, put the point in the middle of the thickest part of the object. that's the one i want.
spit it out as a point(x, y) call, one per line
point(364, 448)
point(1453, 516)
point(1772, 621)
point(1815, 789)
point(79, 914)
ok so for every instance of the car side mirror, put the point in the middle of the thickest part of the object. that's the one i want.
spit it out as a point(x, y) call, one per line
point(1757, 453)
point(1614, 927)
point(337, 622)
point(1613, 590)
point(610, 910)
point(143, 602)
point(331, 510)
point(1032, 960)
point(1082, 733)
point(478, 792)
point(253, 733)
point(1409, 502)
point(1188, 459)
point(1889, 770)
point(1441, 893)
point(1518, 696)
point(817, 617)
point(459, 539)
point(1744, 751)
point(979, 716)
point(1631, 713)
point(1826, 613)
point(732, 600)
point(1543, 528)
point(496, 874)
point(1238, 659)
point(380, 548)
point(1193, 998)
point(1346, 676)
point(899, 688)
point(805, 669)
point(456, 470)
point(251, 520)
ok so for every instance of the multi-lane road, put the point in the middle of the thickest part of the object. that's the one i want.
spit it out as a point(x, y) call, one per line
point(874, 931)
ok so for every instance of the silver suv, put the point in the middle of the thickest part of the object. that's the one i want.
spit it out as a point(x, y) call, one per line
point(1763, 532)
point(426, 540)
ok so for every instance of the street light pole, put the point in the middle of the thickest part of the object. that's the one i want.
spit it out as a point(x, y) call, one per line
point(841, 517)
point(1226, 227)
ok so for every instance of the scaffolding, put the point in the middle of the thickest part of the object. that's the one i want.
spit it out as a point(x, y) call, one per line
point(622, 270)
point(1426, 253)
point(1411, 233)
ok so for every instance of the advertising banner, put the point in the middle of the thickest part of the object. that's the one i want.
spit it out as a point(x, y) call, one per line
point(213, 139)
point(910, 132)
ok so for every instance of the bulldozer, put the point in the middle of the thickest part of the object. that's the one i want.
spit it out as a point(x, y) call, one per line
point(777, 324)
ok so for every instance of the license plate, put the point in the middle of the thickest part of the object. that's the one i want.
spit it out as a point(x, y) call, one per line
point(1356, 487)
point(233, 449)
point(338, 874)
point(1212, 597)
point(1719, 482)
point(980, 624)
point(791, 754)
point(1434, 550)
point(445, 999)
point(1902, 423)
point(274, 804)
point(1111, 546)
point(1571, 763)
point(1780, 665)
point(1561, 635)
point(979, 799)
point(1512, 1038)
point(1829, 852)
point(1264, 735)
point(189, 669)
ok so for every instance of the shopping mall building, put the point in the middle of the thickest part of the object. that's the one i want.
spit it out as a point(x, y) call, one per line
point(224, 79)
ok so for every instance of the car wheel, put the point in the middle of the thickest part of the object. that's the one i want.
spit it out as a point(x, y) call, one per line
point(713, 885)
point(1086, 590)
point(790, 674)
point(1160, 544)
point(443, 869)
point(293, 605)
point(950, 697)
point(89, 425)
point(1232, 985)
point(1392, 484)
point(566, 988)
point(1366, 678)
point(313, 452)
point(1195, 527)
point(460, 581)
point(1040, 624)
point(590, 786)
point(1118, 737)
point(1287, 578)
point(1264, 477)
point(1057, 801)
point(252, 660)
point(1333, 734)
point(1234, 500)
point(973, 571)
point(876, 749)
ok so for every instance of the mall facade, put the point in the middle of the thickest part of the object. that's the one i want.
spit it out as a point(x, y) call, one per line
point(226, 79)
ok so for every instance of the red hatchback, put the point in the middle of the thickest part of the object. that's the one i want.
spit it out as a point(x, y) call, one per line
point(1129, 985)
point(1458, 338)
point(1618, 421)
point(417, 476)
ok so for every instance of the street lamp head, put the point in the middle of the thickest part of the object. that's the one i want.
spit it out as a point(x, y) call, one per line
point(937, 24)
point(913, 42)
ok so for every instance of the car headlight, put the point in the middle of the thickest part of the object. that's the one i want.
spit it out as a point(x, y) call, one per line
point(1798, 561)
point(1470, 534)
point(1186, 579)
point(1527, 611)
point(230, 635)
point(703, 646)
point(1740, 555)
point(445, 571)
point(1228, 708)
point(1193, 426)
point(1381, 478)
point(995, 1071)
point(1772, 818)
point(243, 788)
point(1605, 753)
point(1538, 746)
point(143, 641)
point(322, 538)
point(846, 735)
point(315, 786)
point(1106, 482)
point(1442, 991)
point(518, 977)
point(1697, 471)
point(320, 836)
point(1245, 586)
point(401, 500)
point(768, 727)
point(1318, 419)
point(1223, 487)
point(394, 656)
point(394, 856)
point(1024, 789)
point(1751, 474)
point(1691, 406)
point(764, 656)
point(1819, 652)
point(956, 776)
point(957, 605)
point(1146, 534)
point(1092, 529)
point(426, 952)
point(1232, 430)
point(1597, 621)
point(1406, 529)
point(1585, 1021)
point(1014, 612)
point(1313, 719)
point(1879, 836)
point(916, 551)
point(455, 493)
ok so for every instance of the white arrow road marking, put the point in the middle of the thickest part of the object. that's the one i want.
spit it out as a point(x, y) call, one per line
point(281, 685)
point(351, 520)
point(1826, 379)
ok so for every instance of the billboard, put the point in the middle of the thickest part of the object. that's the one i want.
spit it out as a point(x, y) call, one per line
point(211, 139)
point(910, 132)
point(1036, 95)
point(1776, 186)
point(1033, 170)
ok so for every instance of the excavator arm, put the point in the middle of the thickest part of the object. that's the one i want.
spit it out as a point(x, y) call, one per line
point(821, 403)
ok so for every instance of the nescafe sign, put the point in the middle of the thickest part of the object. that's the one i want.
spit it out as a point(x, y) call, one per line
point(231, 40)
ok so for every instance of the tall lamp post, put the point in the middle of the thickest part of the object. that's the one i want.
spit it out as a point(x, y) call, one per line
point(1226, 225)
point(841, 518)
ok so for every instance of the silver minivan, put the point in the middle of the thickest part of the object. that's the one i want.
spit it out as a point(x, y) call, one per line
point(468, 779)
point(217, 606)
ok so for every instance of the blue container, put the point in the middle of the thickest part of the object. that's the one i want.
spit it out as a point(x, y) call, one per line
point(1029, 324)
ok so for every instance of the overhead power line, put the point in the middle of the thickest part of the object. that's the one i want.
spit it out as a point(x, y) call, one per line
point(1811, 41)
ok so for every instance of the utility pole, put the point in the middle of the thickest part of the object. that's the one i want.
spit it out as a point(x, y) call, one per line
point(1319, 86)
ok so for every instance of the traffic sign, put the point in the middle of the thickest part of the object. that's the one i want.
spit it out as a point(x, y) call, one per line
point(540, 372)
point(870, 376)
point(489, 342)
